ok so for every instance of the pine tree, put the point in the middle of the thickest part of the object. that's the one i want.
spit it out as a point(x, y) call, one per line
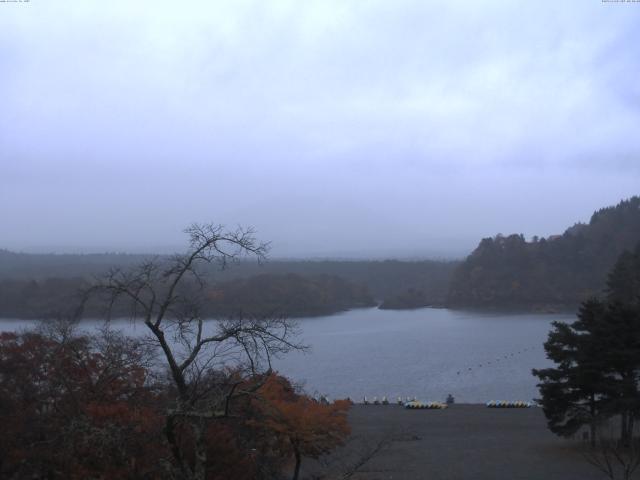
point(597, 358)
point(623, 284)
point(573, 392)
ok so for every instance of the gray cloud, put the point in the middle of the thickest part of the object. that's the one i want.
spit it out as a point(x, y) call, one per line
point(336, 128)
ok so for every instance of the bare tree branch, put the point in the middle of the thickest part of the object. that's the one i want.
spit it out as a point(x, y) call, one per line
point(167, 297)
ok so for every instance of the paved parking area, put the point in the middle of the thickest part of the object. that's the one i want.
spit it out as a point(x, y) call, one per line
point(461, 442)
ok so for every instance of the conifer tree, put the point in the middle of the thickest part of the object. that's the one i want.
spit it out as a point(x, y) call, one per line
point(597, 372)
point(573, 392)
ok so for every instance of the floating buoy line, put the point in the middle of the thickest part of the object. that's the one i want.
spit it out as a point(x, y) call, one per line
point(414, 403)
point(507, 356)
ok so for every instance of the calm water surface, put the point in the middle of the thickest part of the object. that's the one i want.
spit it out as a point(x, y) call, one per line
point(426, 353)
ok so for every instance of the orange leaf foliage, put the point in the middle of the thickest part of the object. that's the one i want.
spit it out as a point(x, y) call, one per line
point(311, 428)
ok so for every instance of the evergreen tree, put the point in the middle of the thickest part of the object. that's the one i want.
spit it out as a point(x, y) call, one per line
point(619, 336)
point(597, 358)
point(573, 392)
point(623, 284)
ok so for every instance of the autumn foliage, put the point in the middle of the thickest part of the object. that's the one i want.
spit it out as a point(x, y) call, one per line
point(89, 407)
point(303, 426)
point(76, 407)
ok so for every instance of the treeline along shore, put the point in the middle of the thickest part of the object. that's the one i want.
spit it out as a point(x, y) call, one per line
point(547, 274)
point(550, 274)
point(35, 285)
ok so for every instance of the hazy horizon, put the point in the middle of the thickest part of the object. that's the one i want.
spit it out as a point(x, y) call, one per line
point(338, 130)
point(459, 250)
point(456, 249)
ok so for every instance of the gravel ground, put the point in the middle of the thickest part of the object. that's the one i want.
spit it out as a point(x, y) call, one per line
point(461, 442)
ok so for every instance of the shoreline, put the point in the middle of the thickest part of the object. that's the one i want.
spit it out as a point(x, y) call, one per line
point(336, 313)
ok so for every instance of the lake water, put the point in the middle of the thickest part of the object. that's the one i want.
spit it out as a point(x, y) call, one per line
point(426, 353)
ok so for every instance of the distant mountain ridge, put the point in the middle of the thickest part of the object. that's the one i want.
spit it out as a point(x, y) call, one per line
point(555, 273)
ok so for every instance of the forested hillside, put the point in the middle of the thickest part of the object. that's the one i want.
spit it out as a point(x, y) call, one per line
point(32, 283)
point(547, 274)
point(553, 273)
point(38, 266)
point(261, 295)
point(289, 295)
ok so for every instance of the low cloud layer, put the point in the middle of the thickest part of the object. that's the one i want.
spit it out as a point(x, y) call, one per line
point(335, 128)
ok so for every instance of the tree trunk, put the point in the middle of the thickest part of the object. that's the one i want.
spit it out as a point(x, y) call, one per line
point(172, 441)
point(592, 426)
point(296, 471)
point(200, 464)
point(624, 429)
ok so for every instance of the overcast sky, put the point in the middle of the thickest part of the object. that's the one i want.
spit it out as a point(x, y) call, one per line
point(335, 128)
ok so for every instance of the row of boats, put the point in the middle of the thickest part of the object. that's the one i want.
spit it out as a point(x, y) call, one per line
point(414, 403)
point(425, 405)
point(491, 404)
point(506, 404)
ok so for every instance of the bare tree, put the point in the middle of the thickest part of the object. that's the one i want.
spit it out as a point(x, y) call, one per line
point(613, 457)
point(168, 297)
